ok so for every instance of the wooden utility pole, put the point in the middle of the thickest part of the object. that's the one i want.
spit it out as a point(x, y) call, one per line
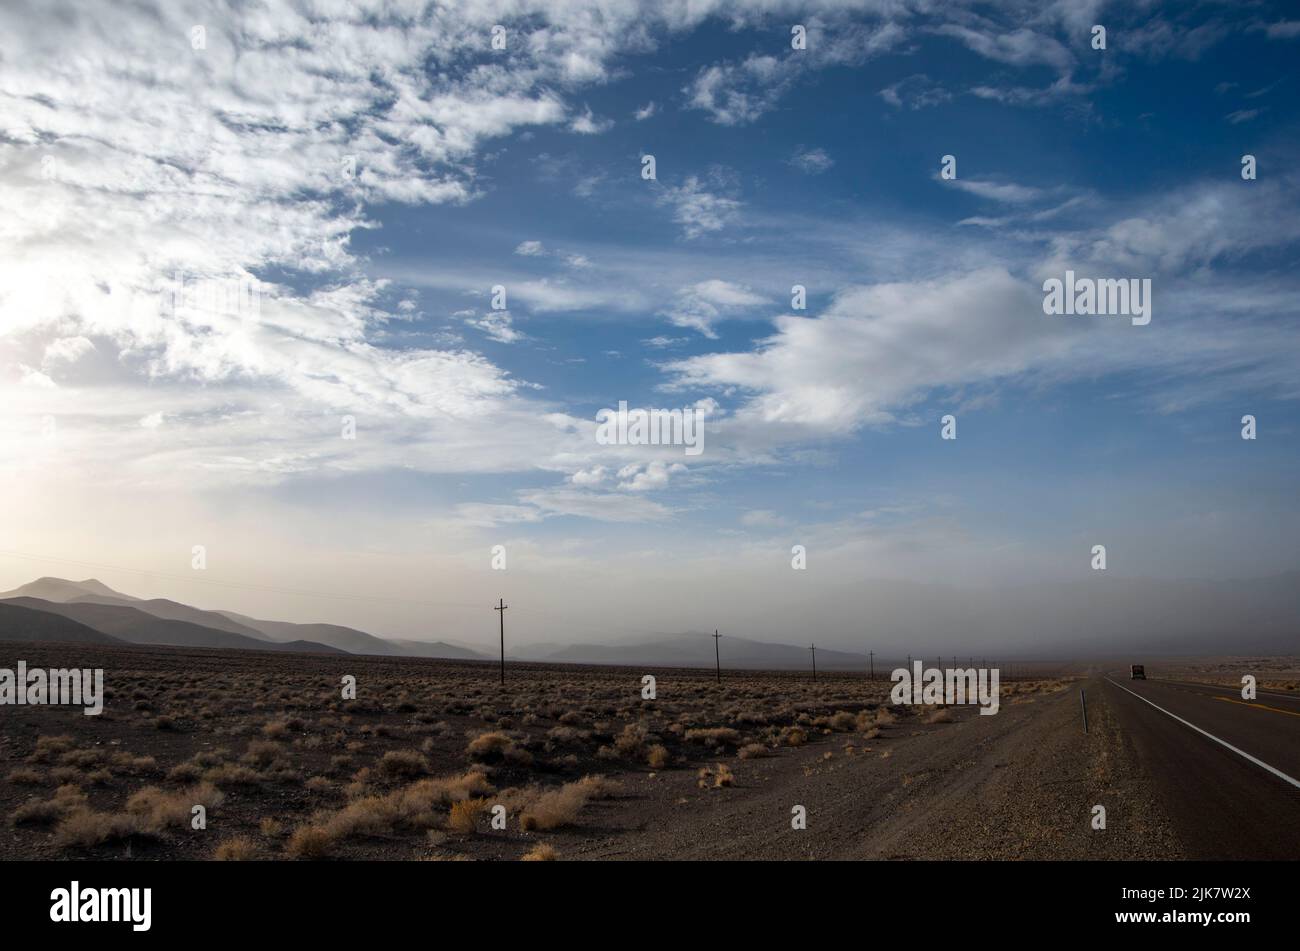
point(717, 657)
point(871, 657)
point(813, 648)
point(501, 608)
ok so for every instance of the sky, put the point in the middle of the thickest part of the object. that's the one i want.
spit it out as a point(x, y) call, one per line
point(251, 251)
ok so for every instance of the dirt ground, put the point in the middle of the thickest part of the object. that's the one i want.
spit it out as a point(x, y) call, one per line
point(435, 760)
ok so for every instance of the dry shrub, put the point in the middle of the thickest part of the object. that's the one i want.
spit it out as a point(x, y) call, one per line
point(239, 849)
point(939, 715)
point(657, 756)
point(262, 753)
point(48, 747)
point(631, 741)
point(598, 787)
point(714, 736)
point(411, 808)
point(717, 777)
point(184, 773)
point(491, 744)
point(753, 751)
point(793, 736)
point(84, 828)
point(309, 842)
point(464, 815)
point(67, 799)
point(496, 745)
point(24, 777)
point(541, 852)
point(401, 764)
point(560, 807)
point(156, 810)
point(841, 721)
point(230, 774)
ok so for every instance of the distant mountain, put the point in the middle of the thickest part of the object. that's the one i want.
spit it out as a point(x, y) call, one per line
point(190, 626)
point(344, 638)
point(18, 623)
point(138, 627)
point(60, 589)
point(696, 650)
point(175, 611)
point(436, 649)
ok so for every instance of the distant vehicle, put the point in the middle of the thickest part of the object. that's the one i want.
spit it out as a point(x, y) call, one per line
point(1138, 673)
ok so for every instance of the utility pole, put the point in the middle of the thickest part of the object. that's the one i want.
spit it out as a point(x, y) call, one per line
point(717, 657)
point(501, 608)
point(813, 648)
point(871, 657)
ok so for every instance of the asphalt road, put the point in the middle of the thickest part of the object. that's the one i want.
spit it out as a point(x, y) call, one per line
point(1227, 771)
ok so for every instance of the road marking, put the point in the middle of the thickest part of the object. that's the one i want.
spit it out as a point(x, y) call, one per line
point(1210, 686)
point(1258, 762)
point(1258, 706)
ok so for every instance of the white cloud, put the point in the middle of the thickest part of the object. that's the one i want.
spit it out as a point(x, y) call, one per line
point(763, 518)
point(878, 348)
point(698, 210)
point(915, 92)
point(737, 93)
point(645, 112)
point(497, 324)
point(994, 191)
point(601, 506)
point(702, 305)
point(530, 249)
point(1242, 115)
point(811, 161)
point(1020, 47)
point(648, 476)
point(1284, 30)
point(588, 124)
point(662, 342)
point(589, 477)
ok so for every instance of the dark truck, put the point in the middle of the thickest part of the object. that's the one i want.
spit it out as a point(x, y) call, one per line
point(1137, 672)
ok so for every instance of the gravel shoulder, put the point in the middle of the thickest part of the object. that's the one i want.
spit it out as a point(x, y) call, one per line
point(1021, 784)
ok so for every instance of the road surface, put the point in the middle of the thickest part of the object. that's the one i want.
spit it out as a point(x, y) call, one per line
point(1227, 771)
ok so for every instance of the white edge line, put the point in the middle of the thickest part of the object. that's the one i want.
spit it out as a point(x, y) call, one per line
point(1258, 762)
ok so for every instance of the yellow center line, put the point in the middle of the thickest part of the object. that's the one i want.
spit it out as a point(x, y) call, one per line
point(1259, 706)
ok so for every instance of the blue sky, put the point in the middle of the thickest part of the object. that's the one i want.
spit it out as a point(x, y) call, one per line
point(521, 168)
